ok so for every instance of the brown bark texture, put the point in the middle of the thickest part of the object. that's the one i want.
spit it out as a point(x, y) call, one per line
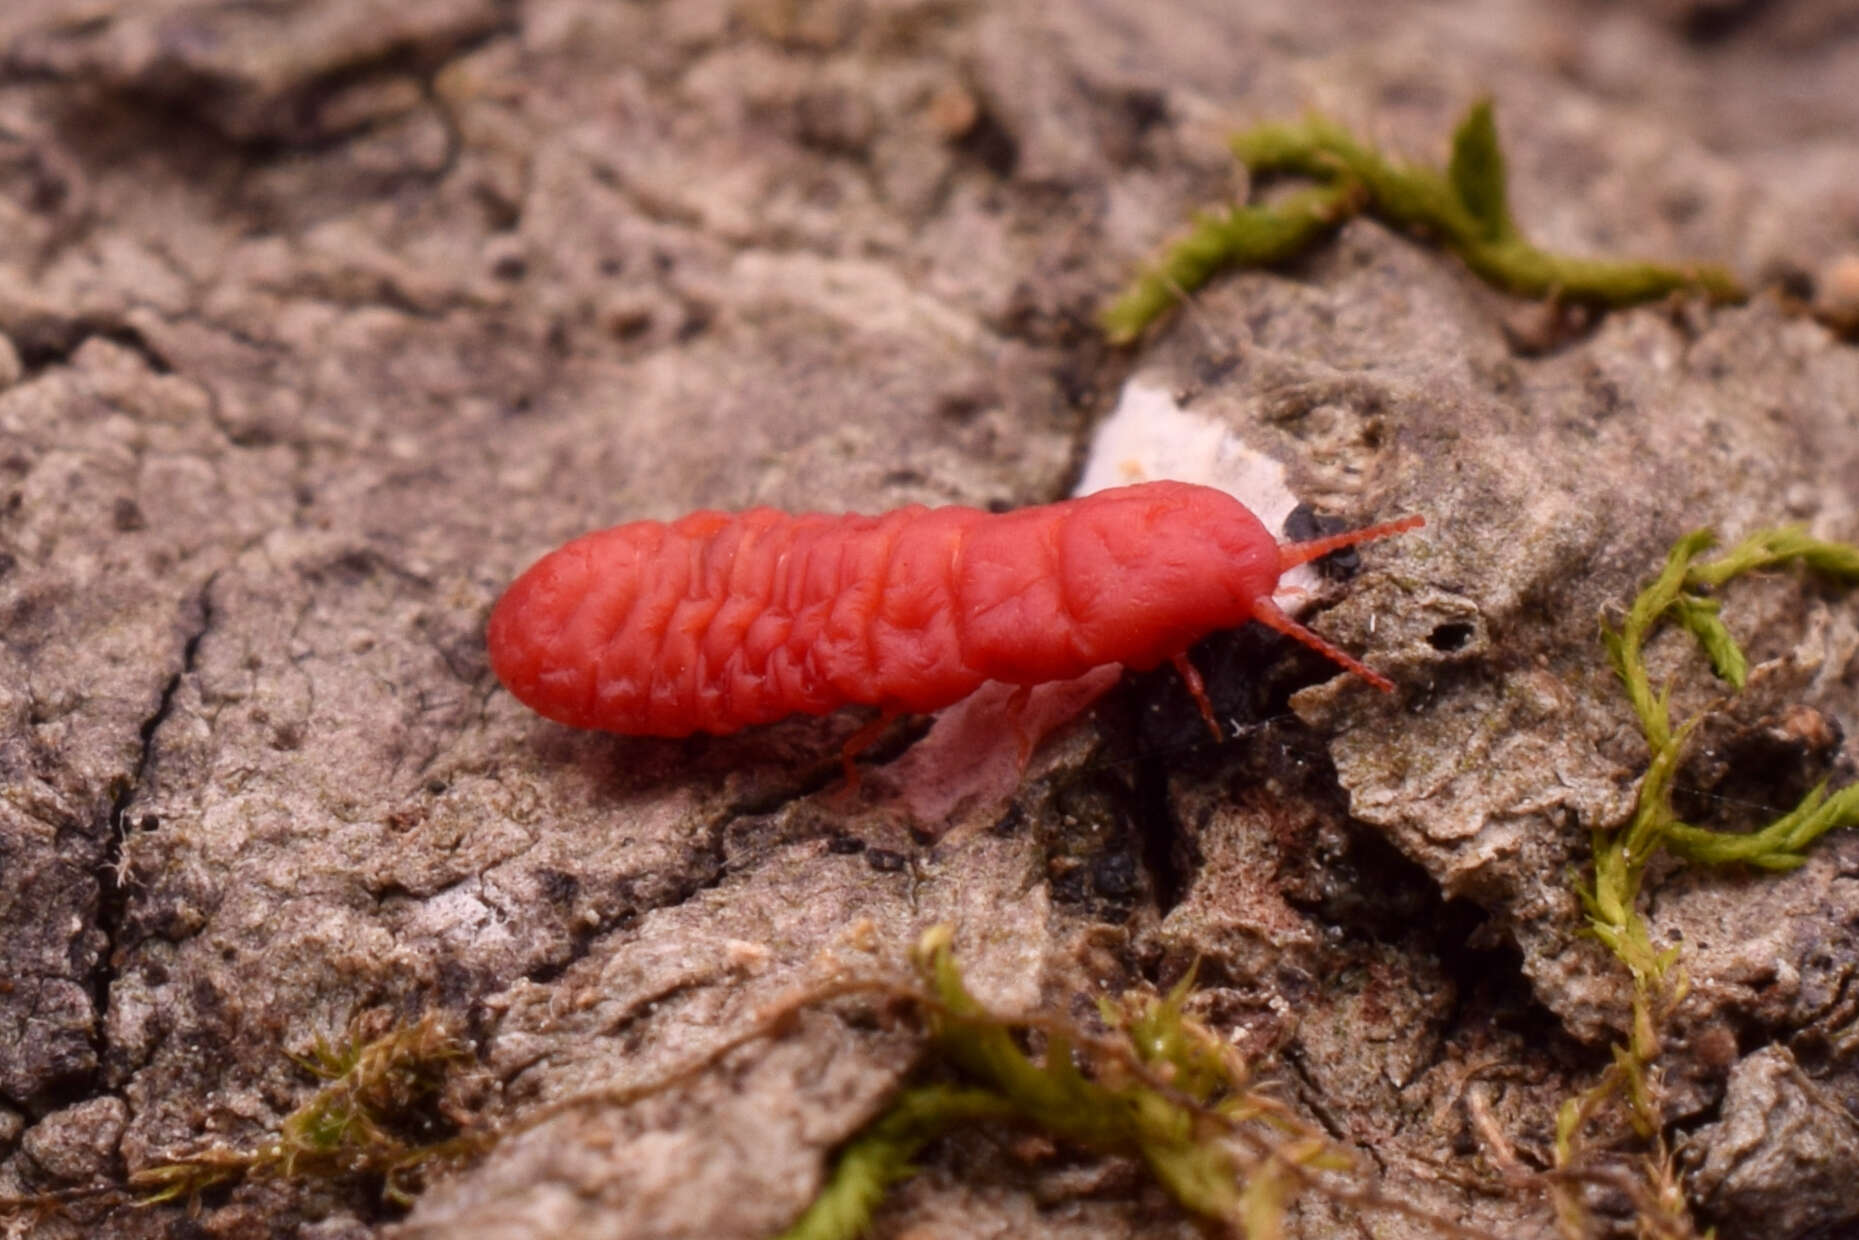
point(321, 319)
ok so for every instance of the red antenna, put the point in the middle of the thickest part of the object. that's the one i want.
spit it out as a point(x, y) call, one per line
point(1290, 555)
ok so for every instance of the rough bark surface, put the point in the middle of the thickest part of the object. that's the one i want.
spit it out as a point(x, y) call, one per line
point(321, 319)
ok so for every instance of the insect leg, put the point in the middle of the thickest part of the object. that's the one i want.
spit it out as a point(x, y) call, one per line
point(1191, 677)
point(1025, 738)
point(861, 740)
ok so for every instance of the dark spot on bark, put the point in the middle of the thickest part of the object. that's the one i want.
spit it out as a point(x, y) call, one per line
point(844, 845)
point(355, 565)
point(1213, 371)
point(1069, 887)
point(1450, 637)
point(1601, 397)
point(632, 325)
point(989, 144)
point(51, 341)
point(1114, 876)
point(1681, 206)
point(834, 120)
point(457, 983)
point(1740, 775)
point(557, 886)
point(960, 407)
point(1715, 23)
point(1010, 822)
point(1793, 279)
point(20, 614)
point(1306, 523)
point(885, 861)
point(696, 322)
point(1146, 109)
point(207, 1000)
point(126, 516)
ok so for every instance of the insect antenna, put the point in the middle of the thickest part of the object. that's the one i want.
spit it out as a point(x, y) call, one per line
point(1290, 555)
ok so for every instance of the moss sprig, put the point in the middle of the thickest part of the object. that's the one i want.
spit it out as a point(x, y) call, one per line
point(884, 1154)
point(359, 1124)
point(1465, 208)
point(1240, 236)
point(1678, 594)
point(1159, 1087)
point(1111, 1110)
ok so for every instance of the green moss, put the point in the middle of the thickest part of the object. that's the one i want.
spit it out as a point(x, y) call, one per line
point(1466, 208)
point(366, 1122)
point(1621, 857)
point(1677, 594)
point(1237, 237)
point(1161, 1089)
point(883, 1154)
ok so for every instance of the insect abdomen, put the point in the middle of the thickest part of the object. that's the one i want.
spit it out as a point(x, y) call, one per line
point(719, 621)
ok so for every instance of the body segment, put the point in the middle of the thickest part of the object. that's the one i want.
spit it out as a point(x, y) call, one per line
point(719, 621)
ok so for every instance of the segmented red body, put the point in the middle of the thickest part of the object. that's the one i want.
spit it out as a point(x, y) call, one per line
point(718, 621)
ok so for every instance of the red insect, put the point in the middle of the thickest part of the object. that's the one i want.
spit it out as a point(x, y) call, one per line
point(718, 621)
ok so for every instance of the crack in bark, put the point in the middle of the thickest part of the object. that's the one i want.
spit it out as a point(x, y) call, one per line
point(257, 122)
point(48, 341)
point(112, 866)
point(1314, 1098)
point(705, 866)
